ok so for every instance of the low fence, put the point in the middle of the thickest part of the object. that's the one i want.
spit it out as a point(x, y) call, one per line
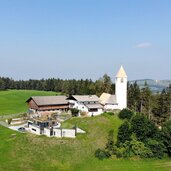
point(10, 116)
point(70, 133)
point(17, 121)
point(55, 132)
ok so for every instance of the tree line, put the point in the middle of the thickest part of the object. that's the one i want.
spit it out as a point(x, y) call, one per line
point(70, 86)
point(156, 107)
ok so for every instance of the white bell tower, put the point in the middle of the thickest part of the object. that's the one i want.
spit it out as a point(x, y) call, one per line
point(121, 88)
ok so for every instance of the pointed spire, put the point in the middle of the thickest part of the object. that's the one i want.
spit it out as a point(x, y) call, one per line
point(121, 73)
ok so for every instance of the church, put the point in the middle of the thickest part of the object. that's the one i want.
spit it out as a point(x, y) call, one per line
point(119, 100)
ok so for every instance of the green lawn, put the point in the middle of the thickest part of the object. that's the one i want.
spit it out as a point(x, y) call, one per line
point(13, 101)
point(31, 152)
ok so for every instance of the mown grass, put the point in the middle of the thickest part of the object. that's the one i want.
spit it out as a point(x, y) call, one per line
point(13, 101)
point(32, 152)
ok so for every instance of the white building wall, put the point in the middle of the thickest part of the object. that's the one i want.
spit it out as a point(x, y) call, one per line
point(121, 92)
point(72, 104)
point(68, 133)
point(57, 133)
point(110, 107)
point(99, 111)
point(34, 129)
point(80, 131)
point(82, 107)
point(47, 132)
point(79, 105)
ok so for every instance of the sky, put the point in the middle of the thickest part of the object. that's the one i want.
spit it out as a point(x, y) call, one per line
point(85, 38)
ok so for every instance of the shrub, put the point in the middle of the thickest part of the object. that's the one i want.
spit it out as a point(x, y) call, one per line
point(110, 145)
point(166, 136)
point(9, 121)
point(143, 128)
point(83, 113)
point(133, 148)
point(138, 149)
point(24, 115)
point(74, 112)
point(124, 150)
point(125, 114)
point(101, 154)
point(156, 147)
point(120, 152)
point(146, 153)
point(124, 133)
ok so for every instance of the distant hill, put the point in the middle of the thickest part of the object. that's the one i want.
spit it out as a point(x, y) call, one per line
point(155, 85)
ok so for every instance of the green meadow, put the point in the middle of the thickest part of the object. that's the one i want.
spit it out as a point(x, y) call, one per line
point(13, 101)
point(26, 151)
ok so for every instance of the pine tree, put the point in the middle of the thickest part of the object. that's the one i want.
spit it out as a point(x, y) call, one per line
point(169, 99)
point(106, 83)
point(146, 101)
point(162, 110)
point(134, 97)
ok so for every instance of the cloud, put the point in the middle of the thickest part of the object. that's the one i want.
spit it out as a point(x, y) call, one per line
point(144, 45)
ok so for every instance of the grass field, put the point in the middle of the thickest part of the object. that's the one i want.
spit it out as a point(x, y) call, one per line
point(13, 101)
point(30, 152)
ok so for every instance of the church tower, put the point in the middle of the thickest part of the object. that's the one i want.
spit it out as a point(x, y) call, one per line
point(121, 88)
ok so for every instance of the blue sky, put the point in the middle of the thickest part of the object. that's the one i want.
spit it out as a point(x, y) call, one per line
point(85, 38)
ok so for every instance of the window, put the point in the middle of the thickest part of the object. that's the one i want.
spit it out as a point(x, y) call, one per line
point(33, 129)
point(122, 80)
point(93, 110)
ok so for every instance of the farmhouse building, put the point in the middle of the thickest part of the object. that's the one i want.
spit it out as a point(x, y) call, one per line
point(86, 103)
point(48, 103)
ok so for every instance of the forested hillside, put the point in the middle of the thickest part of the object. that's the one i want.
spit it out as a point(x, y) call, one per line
point(156, 107)
point(154, 85)
point(71, 86)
